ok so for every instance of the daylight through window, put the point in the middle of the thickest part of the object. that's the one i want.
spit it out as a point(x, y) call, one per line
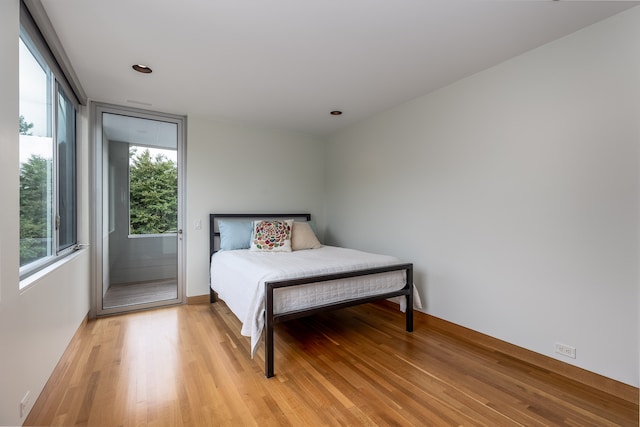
point(153, 191)
point(47, 127)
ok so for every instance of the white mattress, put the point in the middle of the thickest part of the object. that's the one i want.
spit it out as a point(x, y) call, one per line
point(239, 276)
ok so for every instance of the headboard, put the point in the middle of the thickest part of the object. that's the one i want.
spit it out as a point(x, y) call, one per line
point(214, 232)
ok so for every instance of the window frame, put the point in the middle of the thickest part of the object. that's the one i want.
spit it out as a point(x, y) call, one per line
point(72, 180)
point(57, 88)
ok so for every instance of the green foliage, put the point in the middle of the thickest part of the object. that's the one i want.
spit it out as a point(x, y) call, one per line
point(153, 194)
point(25, 128)
point(35, 200)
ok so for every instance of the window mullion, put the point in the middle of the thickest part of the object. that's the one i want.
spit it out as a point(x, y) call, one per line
point(55, 167)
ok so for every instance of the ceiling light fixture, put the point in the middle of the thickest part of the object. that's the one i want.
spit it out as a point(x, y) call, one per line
point(336, 113)
point(142, 68)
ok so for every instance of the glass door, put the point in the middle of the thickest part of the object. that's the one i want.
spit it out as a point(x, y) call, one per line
point(138, 210)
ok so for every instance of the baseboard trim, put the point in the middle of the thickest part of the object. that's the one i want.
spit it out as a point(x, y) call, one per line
point(616, 388)
point(198, 299)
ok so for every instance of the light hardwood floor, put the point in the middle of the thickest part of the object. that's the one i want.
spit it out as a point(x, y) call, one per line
point(188, 365)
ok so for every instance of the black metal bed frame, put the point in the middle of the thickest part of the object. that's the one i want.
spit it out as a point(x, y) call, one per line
point(272, 318)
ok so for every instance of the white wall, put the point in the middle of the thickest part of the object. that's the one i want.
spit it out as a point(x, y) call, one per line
point(515, 193)
point(231, 168)
point(35, 325)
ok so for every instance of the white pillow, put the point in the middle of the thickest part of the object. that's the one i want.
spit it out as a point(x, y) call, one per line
point(303, 237)
point(271, 235)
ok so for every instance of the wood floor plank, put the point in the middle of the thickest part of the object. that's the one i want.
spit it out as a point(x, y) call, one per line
point(189, 366)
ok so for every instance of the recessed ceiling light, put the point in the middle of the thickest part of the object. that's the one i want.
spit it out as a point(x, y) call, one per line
point(336, 113)
point(142, 68)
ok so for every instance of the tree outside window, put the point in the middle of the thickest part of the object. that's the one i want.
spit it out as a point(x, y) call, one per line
point(35, 194)
point(153, 191)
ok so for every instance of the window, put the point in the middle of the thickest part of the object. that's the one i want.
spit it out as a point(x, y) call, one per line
point(67, 194)
point(48, 198)
point(153, 191)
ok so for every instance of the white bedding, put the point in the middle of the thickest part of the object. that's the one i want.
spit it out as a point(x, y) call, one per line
point(238, 277)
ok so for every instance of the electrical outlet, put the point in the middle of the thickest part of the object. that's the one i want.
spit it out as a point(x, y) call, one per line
point(24, 405)
point(566, 350)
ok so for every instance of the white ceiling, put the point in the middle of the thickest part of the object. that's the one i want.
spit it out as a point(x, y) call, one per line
point(287, 63)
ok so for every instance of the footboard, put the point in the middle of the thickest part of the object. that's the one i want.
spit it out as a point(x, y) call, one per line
point(272, 318)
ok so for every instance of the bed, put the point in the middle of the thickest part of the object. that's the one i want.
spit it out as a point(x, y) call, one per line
point(263, 286)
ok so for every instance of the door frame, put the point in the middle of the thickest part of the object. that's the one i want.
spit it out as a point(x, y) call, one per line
point(97, 204)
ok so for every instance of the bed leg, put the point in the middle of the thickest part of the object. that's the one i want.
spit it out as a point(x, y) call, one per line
point(268, 332)
point(212, 295)
point(409, 313)
point(268, 352)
